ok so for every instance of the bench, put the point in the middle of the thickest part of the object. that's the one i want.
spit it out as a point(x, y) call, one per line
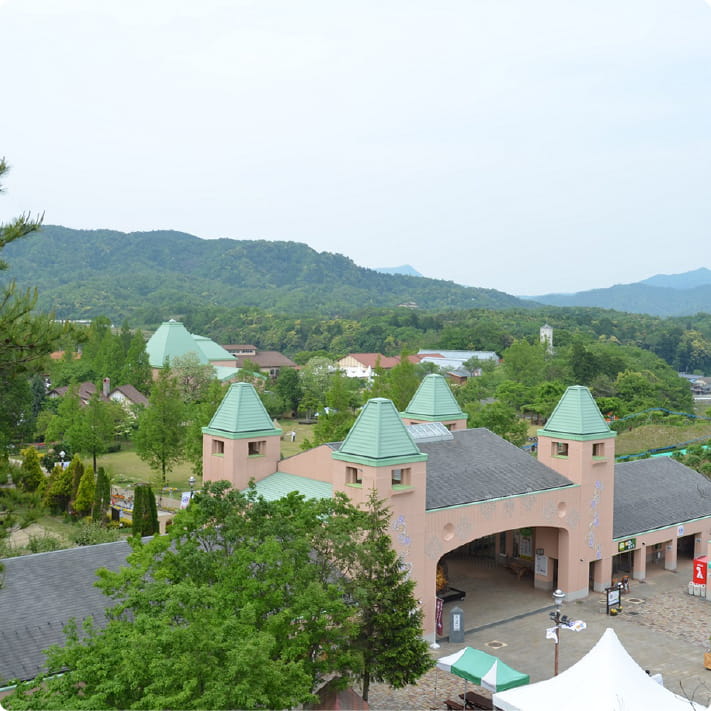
point(454, 705)
point(477, 701)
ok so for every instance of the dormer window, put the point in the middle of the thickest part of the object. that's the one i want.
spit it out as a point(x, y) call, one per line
point(560, 449)
point(257, 448)
point(354, 476)
point(400, 477)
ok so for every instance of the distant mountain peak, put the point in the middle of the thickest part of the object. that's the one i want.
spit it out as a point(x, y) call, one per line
point(404, 269)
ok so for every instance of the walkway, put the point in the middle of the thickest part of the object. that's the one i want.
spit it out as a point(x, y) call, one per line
point(664, 629)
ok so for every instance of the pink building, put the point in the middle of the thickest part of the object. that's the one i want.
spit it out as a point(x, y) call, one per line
point(571, 518)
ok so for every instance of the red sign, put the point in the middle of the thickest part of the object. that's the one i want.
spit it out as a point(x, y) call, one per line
point(700, 565)
point(439, 605)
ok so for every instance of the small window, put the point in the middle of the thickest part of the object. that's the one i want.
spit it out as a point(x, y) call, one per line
point(218, 446)
point(598, 449)
point(354, 475)
point(400, 477)
point(560, 449)
point(258, 448)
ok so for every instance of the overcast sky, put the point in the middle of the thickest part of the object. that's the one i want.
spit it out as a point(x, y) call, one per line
point(530, 147)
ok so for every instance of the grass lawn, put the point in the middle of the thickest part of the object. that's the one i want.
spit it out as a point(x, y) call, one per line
point(640, 439)
point(126, 467)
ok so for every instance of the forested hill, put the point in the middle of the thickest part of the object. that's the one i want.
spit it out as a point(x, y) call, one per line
point(145, 276)
point(661, 295)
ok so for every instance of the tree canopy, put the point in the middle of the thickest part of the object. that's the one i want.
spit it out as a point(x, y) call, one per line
point(277, 596)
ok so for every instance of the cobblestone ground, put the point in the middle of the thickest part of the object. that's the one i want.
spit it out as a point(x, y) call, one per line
point(668, 613)
point(676, 614)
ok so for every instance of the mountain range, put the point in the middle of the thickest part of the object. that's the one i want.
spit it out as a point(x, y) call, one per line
point(147, 277)
point(660, 295)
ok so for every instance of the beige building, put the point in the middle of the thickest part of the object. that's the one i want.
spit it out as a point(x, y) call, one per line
point(570, 518)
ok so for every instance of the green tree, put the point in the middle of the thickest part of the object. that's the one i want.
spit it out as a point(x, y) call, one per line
point(289, 389)
point(161, 429)
point(256, 587)
point(76, 468)
point(31, 475)
point(389, 622)
point(525, 363)
point(136, 368)
point(102, 495)
point(84, 500)
point(58, 492)
point(94, 428)
point(200, 415)
point(66, 418)
point(401, 382)
point(145, 513)
point(192, 377)
point(501, 420)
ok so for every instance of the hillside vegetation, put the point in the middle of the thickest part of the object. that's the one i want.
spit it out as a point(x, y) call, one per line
point(147, 276)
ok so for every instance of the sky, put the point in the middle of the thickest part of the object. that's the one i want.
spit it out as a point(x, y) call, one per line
point(529, 147)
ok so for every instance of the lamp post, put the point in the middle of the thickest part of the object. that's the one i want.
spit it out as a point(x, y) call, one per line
point(558, 597)
point(62, 454)
point(191, 481)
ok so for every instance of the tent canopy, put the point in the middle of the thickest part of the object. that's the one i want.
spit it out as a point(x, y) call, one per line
point(605, 678)
point(482, 669)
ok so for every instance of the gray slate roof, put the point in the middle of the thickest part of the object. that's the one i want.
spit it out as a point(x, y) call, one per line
point(658, 492)
point(478, 465)
point(41, 593)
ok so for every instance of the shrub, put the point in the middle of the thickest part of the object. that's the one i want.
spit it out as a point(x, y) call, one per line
point(43, 544)
point(90, 533)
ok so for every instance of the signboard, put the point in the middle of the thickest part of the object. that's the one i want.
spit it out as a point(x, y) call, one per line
point(613, 597)
point(700, 569)
point(439, 606)
point(629, 544)
point(541, 567)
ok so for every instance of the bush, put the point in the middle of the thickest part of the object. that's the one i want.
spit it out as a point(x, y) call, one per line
point(89, 533)
point(43, 544)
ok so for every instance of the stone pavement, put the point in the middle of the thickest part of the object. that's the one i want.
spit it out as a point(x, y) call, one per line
point(663, 628)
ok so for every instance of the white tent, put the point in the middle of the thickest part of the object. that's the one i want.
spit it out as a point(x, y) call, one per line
point(605, 678)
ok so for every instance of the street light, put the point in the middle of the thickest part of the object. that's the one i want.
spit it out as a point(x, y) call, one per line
point(62, 454)
point(558, 597)
point(191, 481)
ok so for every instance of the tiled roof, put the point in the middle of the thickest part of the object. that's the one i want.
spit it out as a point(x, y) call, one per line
point(479, 465)
point(434, 401)
point(378, 437)
point(657, 492)
point(266, 359)
point(241, 414)
point(171, 340)
point(371, 360)
point(211, 350)
point(41, 593)
point(132, 394)
point(279, 484)
point(577, 416)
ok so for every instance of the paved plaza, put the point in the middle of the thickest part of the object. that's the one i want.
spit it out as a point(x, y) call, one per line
point(663, 628)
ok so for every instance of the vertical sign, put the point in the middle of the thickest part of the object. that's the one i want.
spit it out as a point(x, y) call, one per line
point(439, 606)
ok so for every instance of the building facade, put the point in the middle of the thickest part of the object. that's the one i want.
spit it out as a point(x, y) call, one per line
point(568, 518)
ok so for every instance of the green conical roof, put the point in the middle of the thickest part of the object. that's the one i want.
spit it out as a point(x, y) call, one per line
point(577, 416)
point(434, 401)
point(241, 414)
point(379, 437)
point(171, 340)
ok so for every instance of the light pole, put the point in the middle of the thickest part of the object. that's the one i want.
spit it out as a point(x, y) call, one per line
point(558, 597)
point(191, 481)
point(62, 454)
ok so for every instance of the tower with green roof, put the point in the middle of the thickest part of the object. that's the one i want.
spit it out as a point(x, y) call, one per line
point(434, 402)
point(241, 442)
point(379, 453)
point(578, 443)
